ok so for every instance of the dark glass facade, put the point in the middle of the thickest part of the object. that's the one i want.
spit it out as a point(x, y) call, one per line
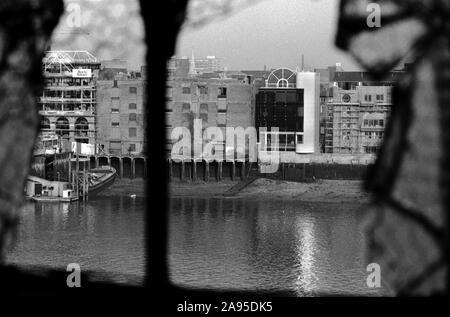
point(282, 108)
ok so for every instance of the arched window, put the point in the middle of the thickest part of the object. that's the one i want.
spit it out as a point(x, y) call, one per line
point(281, 78)
point(62, 126)
point(81, 124)
point(81, 128)
point(282, 83)
point(45, 124)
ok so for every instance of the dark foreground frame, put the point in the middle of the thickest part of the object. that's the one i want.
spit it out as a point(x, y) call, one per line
point(162, 23)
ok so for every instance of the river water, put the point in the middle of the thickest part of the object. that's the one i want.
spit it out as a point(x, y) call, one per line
point(305, 248)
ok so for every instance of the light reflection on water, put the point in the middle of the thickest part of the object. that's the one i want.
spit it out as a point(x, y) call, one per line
point(307, 248)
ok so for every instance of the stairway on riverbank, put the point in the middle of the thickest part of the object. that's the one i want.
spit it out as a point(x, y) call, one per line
point(240, 186)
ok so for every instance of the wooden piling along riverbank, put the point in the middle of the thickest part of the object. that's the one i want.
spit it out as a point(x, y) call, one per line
point(296, 172)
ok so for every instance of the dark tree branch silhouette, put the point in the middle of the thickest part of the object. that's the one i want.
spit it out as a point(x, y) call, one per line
point(25, 28)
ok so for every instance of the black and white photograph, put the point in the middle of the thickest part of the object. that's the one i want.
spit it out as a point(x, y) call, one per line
point(217, 156)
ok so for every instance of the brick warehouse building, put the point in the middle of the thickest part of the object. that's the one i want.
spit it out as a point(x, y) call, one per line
point(215, 99)
point(120, 115)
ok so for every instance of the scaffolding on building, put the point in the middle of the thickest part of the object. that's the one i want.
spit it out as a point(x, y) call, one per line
point(68, 101)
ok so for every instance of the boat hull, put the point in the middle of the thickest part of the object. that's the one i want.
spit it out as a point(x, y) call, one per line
point(102, 185)
point(44, 199)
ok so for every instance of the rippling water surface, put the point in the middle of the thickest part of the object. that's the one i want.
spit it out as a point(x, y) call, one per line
point(104, 235)
point(306, 248)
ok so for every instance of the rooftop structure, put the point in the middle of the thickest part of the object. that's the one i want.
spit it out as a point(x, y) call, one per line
point(190, 67)
point(67, 59)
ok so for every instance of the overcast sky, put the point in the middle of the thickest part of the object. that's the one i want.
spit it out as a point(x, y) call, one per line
point(271, 32)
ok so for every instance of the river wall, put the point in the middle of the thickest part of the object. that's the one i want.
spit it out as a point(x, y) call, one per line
point(57, 167)
point(299, 172)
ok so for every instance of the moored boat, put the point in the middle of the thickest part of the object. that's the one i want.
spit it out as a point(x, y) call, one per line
point(100, 178)
point(42, 190)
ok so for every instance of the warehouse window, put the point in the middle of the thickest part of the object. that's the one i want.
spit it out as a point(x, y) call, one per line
point(204, 117)
point(132, 117)
point(222, 93)
point(133, 90)
point(204, 108)
point(185, 108)
point(132, 106)
point(203, 90)
point(132, 132)
point(45, 123)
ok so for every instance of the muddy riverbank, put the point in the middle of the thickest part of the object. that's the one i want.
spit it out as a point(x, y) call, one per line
point(261, 189)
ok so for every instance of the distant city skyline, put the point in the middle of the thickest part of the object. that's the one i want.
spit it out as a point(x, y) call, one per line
point(273, 34)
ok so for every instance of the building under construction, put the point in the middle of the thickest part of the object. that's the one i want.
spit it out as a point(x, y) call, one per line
point(68, 102)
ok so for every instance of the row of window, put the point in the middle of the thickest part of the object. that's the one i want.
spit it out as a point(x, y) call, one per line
point(203, 90)
point(186, 108)
point(114, 145)
point(63, 123)
point(377, 134)
point(369, 135)
point(379, 97)
point(371, 149)
point(132, 90)
point(132, 132)
point(131, 106)
point(85, 94)
point(131, 117)
point(203, 116)
point(67, 81)
point(373, 123)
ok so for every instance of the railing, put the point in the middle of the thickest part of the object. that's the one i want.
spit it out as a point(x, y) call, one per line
point(63, 100)
point(85, 113)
